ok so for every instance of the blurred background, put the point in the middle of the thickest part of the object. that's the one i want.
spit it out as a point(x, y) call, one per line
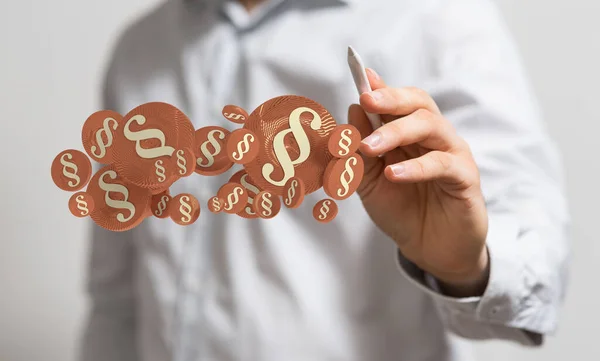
point(51, 59)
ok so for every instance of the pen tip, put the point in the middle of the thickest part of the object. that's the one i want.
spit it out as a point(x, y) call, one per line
point(350, 51)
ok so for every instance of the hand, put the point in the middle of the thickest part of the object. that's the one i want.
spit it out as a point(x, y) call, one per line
point(424, 192)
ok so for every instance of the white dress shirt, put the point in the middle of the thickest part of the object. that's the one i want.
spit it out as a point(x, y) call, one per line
point(228, 288)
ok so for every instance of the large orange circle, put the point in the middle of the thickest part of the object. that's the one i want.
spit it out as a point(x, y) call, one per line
point(71, 170)
point(271, 123)
point(146, 142)
point(119, 205)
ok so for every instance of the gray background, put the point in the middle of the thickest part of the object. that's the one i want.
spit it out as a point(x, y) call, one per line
point(51, 56)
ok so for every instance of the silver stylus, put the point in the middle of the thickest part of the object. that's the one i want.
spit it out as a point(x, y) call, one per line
point(362, 82)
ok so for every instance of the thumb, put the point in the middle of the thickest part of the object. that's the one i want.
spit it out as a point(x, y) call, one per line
point(373, 165)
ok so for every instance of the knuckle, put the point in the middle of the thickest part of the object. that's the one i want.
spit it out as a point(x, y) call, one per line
point(421, 169)
point(444, 160)
point(425, 114)
point(395, 128)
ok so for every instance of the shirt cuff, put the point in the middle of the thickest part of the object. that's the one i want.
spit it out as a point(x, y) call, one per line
point(507, 300)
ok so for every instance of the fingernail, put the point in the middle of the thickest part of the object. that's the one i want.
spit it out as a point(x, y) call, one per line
point(398, 169)
point(377, 96)
point(373, 140)
point(373, 74)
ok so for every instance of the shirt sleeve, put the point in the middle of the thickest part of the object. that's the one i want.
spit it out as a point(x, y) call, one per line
point(480, 86)
point(109, 331)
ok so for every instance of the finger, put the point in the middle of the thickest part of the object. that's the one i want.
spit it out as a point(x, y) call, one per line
point(375, 80)
point(358, 118)
point(402, 101)
point(434, 165)
point(421, 127)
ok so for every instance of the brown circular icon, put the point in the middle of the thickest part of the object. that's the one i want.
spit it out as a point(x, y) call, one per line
point(293, 194)
point(159, 204)
point(184, 162)
point(150, 135)
point(252, 190)
point(267, 204)
point(344, 141)
point(235, 114)
point(293, 132)
point(325, 210)
point(119, 205)
point(235, 197)
point(211, 151)
point(343, 176)
point(242, 146)
point(184, 209)
point(98, 135)
point(81, 204)
point(71, 170)
point(215, 204)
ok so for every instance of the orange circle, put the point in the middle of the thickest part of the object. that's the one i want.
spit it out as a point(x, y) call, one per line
point(184, 162)
point(325, 210)
point(159, 204)
point(215, 204)
point(235, 114)
point(98, 135)
point(235, 197)
point(252, 190)
point(242, 146)
point(184, 209)
point(81, 204)
point(293, 132)
point(119, 205)
point(293, 194)
point(211, 151)
point(344, 141)
point(71, 170)
point(343, 176)
point(267, 204)
point(148, 138)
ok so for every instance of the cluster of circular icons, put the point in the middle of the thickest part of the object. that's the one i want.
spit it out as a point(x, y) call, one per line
point(288, 147)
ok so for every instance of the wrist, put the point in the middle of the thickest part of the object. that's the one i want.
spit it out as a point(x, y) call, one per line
point(471, 283)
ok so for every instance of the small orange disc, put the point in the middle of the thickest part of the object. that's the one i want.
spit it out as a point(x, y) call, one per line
point(325, 210)
point(343, 176)
point(293, 194)
point(211, 152)
point(235, 197)
point(184, 209)
point(242, 146)
point(267, 204)
point(184, 162)
point(98, 135)
point(242, 178)
point(81, 204)
point(119, 205)
point(215, 204)
point(71, 170)
point(344, 141)
point(235, 114)
point(159, 204)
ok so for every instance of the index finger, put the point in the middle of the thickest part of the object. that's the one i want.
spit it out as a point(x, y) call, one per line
point(398, 101)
